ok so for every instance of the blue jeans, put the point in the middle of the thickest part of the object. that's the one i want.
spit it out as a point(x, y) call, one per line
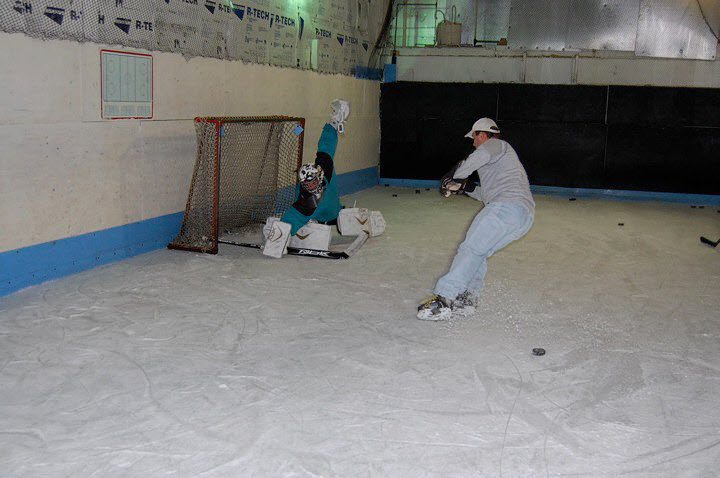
point(496, 226)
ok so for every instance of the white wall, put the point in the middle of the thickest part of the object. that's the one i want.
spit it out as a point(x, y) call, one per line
point(64, 171)
point(507, 66)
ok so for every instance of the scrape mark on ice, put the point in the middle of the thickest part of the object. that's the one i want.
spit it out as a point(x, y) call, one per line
point(237, 365)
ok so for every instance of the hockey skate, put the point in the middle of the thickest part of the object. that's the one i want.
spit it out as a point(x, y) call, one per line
point(340, 112)
point(465, 303)
point(436, 307)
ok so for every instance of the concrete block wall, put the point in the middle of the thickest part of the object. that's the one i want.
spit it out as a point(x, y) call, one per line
point(66, 173)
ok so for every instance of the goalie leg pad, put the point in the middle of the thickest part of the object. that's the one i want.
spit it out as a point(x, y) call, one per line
point(277, 236)
point(353, 221)
point(312, 236)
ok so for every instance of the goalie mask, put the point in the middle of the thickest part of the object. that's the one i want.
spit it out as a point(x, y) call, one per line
point(311, 178)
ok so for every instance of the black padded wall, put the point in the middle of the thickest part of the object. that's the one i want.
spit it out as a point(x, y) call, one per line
point(421, 124)
point(616, 137)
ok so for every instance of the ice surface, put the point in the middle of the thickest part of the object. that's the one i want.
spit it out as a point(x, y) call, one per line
point(184, 364)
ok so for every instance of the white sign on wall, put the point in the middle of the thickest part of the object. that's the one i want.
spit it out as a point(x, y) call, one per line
point(126, 85)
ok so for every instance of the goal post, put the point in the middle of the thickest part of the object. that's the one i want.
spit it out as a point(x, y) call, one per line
point(245, 170)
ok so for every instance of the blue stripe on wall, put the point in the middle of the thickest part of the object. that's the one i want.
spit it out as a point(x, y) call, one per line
point(31, 265)
point(355, 181)
point(620, 195)
point(390, 73)
point(368, 73)
point(410, 183)
point(34, 264)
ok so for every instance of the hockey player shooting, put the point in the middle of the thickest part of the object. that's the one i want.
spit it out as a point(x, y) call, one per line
point(507, 216)
point(318, 199)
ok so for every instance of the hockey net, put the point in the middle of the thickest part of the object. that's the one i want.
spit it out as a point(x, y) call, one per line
point(245, 171)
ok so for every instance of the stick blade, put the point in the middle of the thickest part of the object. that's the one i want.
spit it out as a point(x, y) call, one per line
point(357, 244)
point(707, 241)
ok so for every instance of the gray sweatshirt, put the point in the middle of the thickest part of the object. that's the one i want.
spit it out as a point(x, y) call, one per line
point(502, 176)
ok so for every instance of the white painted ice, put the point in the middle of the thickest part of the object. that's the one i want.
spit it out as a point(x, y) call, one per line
point(237, 365)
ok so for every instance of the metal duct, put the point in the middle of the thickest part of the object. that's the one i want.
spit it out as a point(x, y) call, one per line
point(711, 11)
point(656, 28)
point(674, 29)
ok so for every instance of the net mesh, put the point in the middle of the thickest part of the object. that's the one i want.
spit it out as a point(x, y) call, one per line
point(246, 170)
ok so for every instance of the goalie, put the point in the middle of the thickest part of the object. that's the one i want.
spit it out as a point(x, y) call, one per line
point(318, 200)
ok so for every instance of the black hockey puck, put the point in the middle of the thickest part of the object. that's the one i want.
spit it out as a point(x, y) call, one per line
point(621, 223)
point(538, 351)
point(693, 207)
point(394, 195)
point(427, 189)
point(417, 191)
point(572, 199)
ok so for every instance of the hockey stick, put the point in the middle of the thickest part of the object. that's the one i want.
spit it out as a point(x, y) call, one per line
point(299, 251)
point(707, 241)
point(293, 251)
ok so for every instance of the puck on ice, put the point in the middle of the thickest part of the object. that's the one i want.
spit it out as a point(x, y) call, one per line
point(538, 351)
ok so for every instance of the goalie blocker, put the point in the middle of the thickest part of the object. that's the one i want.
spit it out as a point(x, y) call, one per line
point(277, 236)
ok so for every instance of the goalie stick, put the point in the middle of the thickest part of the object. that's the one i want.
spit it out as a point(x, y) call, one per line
point(301, 251)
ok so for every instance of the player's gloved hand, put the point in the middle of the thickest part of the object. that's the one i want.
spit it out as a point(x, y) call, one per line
point(449, 186)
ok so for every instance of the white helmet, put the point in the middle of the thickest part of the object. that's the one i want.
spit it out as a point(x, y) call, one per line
point(311, 178)
point(483, 124)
